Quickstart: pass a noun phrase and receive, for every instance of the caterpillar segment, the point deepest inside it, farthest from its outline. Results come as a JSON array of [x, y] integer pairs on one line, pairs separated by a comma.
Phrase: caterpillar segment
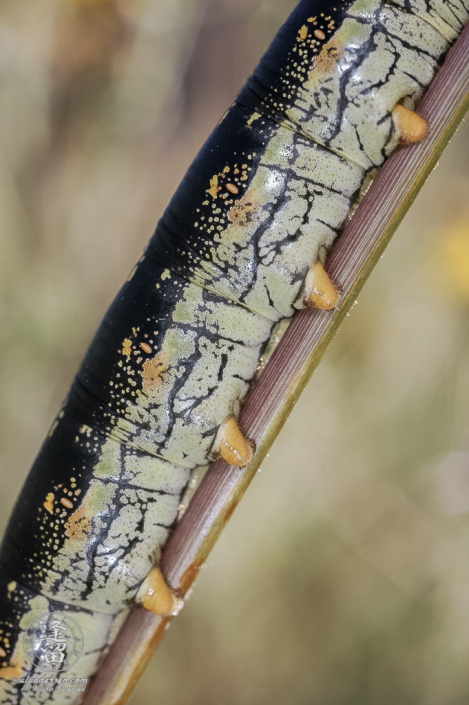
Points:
[[242, 245]]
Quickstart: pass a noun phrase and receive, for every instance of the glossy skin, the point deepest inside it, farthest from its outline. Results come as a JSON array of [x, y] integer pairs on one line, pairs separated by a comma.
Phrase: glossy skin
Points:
[[175, 355]]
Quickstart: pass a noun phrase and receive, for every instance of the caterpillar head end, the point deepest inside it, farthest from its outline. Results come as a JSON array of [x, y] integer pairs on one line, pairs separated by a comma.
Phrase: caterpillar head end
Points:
[[320, 292]]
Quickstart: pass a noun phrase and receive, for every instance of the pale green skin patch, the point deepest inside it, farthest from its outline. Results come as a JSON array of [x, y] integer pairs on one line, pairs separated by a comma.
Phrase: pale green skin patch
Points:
[[401, 57], [289, 164], [448, 18], [147, 491], [98, 629]]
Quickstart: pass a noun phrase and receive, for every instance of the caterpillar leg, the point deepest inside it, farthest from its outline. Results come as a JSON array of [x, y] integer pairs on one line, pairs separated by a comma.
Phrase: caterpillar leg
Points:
[[232, 445], [320, 292], [410, 126], [156, 596]]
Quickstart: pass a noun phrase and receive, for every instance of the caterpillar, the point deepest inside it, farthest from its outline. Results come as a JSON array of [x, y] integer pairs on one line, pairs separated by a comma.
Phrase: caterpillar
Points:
[[241, 246]]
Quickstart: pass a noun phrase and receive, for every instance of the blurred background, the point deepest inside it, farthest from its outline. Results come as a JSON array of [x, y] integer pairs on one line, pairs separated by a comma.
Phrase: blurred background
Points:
[[343, 577]]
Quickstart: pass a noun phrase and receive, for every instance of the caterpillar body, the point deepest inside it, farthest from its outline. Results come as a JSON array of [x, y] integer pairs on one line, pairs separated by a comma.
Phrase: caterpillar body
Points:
[[240, 247]]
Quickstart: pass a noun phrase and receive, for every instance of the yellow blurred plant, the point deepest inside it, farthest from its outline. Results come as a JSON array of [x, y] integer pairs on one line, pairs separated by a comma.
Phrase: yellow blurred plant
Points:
[[450, 261]]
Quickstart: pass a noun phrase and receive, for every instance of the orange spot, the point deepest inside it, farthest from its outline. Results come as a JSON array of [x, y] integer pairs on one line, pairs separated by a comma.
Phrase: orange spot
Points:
[[49, 503], [79, 524], [127, 347], [318, 34], [241, 212], [214, 187], [10, 672], [329, 56], [145, 347], [232, 188], [304, 32], [66, 502], [153, 372], [3, 653]]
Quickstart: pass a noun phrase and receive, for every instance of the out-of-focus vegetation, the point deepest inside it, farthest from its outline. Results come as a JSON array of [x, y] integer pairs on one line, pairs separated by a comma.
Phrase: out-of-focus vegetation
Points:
[[343, 577]]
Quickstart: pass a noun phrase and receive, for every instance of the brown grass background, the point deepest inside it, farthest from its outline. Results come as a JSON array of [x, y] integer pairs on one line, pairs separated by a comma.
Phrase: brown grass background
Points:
[[343, 577]]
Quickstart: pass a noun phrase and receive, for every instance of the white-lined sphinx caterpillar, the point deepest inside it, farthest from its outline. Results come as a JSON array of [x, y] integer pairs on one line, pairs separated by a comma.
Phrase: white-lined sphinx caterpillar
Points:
[[240, 246]]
